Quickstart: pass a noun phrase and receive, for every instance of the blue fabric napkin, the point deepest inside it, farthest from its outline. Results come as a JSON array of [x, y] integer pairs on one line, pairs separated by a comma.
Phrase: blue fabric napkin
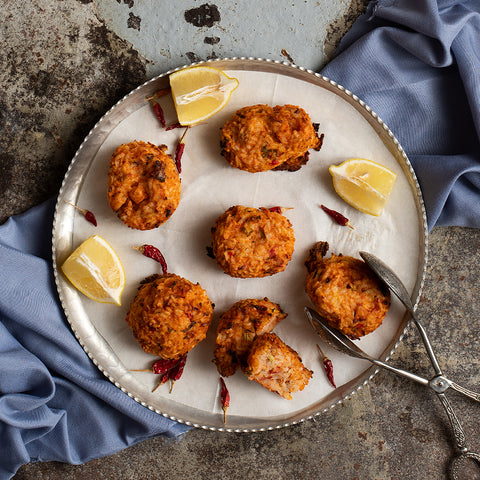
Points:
[[416, 63], [54, 402]]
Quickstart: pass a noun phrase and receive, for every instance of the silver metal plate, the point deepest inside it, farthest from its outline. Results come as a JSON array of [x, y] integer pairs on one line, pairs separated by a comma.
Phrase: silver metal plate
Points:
[[105, 352]]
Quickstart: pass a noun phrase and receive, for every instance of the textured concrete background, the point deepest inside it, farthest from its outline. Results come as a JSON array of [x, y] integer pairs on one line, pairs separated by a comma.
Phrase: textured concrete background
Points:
[[64, 63]]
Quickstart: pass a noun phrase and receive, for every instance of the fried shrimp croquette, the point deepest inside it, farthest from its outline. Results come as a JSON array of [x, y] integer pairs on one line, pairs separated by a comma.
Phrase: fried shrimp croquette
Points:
[[143, 185], [259, 138], [238, 328], [169, 315], [249, 242], [276, 366], [346, 292]]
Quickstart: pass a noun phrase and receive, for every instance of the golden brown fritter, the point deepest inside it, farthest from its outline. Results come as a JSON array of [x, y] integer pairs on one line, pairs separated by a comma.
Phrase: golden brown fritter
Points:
[[259, 138], [276, 366], [294, 164], [249, 242], [169, 315], [238, 328], [346, 292], [143, 185]]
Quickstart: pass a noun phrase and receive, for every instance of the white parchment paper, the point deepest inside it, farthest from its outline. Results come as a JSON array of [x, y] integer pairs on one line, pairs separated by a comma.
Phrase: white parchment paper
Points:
[[209, 187]]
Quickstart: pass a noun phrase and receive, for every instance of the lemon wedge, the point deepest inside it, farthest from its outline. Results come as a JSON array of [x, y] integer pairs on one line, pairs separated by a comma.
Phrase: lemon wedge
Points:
[[95, 269], [364, 184], [200, 92]]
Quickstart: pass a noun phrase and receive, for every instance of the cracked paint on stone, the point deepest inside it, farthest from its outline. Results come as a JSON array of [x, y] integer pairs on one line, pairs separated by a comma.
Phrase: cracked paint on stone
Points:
[[60, 78], [205, 15], [340, 25], [177, 33]]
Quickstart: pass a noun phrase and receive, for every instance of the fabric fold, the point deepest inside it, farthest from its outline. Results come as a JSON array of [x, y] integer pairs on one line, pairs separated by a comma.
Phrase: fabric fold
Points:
[[55, 405], [416, 64]]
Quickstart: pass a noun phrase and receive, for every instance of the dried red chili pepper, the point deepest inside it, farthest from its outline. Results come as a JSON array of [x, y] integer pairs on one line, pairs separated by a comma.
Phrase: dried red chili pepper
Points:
[[178, 156], [338, 217], [173, 126], [328, 366], [179, 151], [157, 109], [163, 365], [160, 366], [89, 216], [275, 209], [279, 209], [168, 369], [177, 371], [155, 254], [225, 398]]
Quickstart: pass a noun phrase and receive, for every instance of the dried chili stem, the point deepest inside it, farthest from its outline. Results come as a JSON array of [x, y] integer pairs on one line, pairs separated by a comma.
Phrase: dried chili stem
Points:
[[89, 216], [225, 398], [163, 379], [159, 93], [183, 135], [328, 366]]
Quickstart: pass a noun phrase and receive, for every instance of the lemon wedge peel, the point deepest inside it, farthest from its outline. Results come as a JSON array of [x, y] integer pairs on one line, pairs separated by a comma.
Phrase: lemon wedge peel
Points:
[[364, 184], [200, 92], [95, 269]]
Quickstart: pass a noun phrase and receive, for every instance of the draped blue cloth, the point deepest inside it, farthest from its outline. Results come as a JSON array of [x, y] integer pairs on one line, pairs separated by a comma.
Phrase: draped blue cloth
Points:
[[54, 402], [415, 62]]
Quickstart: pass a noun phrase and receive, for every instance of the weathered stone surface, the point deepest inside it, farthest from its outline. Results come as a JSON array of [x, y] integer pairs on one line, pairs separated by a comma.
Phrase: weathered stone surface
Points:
[[62, 69]]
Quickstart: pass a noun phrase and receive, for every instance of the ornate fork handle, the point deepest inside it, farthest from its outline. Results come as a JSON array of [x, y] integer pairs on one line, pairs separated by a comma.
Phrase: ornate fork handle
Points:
[[465, 391], [464, 453], [441, 384], [455, 423]]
